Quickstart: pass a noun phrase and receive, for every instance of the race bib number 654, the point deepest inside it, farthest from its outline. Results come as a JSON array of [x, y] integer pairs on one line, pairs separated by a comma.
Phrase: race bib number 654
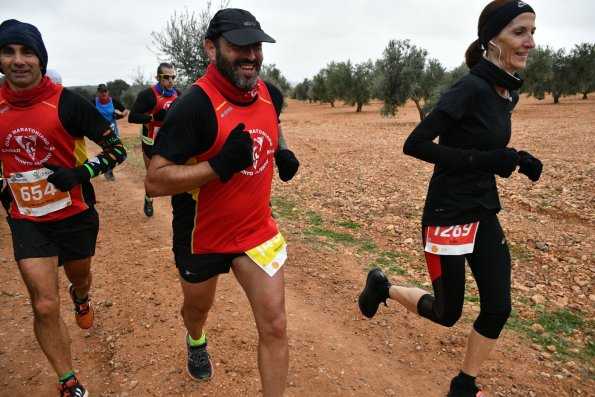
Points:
[[34, 195]]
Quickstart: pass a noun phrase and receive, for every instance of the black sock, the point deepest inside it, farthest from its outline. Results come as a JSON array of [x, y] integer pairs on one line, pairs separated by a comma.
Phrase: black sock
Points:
[[464, 381]]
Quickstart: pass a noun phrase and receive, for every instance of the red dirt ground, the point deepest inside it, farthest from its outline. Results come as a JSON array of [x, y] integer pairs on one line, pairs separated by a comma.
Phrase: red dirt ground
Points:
[[356, 183]]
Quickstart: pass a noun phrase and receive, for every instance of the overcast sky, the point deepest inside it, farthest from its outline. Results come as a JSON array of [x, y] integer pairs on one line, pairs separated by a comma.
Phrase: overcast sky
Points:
[[92, 42]]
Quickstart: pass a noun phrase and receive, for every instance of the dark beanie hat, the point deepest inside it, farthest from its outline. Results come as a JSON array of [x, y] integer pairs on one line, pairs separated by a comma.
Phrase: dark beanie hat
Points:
[[16, 32]]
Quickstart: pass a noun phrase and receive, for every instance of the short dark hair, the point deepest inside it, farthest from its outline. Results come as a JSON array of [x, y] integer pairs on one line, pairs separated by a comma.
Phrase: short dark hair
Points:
[[164, 65]]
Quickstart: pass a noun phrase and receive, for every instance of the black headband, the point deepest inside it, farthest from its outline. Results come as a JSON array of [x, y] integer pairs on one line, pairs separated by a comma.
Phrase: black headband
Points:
[[500, 18]]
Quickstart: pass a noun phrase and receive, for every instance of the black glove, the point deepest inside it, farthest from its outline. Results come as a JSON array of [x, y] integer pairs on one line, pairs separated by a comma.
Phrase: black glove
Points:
[[235, 155], [287, 164], [159, 115], [66, 178], [501, 162], [530, 166]]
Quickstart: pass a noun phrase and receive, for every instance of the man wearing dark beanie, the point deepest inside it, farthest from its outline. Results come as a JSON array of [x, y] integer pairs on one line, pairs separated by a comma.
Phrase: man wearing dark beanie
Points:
[[50, 198], [13, 31]]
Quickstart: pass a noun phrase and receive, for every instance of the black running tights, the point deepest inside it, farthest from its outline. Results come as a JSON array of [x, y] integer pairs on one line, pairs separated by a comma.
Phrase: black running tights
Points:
[[490, 265]]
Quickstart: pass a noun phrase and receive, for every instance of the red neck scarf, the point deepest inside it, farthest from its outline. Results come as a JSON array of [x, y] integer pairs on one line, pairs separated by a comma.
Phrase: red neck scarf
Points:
[[104, 101], [227, 89], [40, 92]]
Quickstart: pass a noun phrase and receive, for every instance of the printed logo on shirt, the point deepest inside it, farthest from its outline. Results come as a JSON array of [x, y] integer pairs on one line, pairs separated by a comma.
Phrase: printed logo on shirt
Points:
[[30, 147], [262, 149]]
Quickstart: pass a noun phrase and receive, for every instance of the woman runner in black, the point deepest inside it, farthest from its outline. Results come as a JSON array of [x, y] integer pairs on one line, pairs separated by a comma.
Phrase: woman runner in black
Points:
[[473, 123]]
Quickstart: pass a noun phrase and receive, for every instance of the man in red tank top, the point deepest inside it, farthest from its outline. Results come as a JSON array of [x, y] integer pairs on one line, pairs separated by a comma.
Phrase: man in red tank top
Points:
[[215, 154], [149, 109], [49, 197]]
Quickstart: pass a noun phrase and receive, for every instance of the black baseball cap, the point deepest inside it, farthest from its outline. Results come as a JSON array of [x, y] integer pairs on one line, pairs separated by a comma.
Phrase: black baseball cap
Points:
[[101, 87], [238, 26]]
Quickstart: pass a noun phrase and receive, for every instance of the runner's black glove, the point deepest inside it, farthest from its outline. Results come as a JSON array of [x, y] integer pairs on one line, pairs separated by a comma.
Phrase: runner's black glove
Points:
[[501, 162], [235, 155], [66, 178], [159, 115], [287, 164], [530, 166]]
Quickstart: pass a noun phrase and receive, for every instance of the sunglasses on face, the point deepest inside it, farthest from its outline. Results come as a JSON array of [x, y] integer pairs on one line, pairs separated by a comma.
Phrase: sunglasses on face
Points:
[[168, 76]]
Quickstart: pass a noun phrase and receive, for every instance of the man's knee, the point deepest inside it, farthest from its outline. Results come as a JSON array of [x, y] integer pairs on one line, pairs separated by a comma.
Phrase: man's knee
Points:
[[274, 327], [45, 308]]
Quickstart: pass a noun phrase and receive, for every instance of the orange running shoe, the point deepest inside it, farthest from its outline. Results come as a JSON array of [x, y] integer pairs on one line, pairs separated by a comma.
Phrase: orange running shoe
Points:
[[83, 312], [72, 388]]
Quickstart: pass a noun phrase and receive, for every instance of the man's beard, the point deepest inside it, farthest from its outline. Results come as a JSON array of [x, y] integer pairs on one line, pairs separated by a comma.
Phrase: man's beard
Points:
[[228, 70]]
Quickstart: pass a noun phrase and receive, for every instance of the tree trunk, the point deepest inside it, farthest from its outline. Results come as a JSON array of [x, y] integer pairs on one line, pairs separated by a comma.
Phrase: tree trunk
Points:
[[556, 98], [584, 95], [332, 102], [418, 106], [359, 107]]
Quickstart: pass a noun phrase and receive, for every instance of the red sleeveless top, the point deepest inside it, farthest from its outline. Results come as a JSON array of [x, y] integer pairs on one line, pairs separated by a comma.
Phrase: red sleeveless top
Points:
[[30, 136], [163, 102], [236, 216]]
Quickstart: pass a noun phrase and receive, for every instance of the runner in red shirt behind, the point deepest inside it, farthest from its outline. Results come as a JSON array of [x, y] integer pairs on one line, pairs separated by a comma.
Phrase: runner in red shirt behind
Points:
[[49, 197]]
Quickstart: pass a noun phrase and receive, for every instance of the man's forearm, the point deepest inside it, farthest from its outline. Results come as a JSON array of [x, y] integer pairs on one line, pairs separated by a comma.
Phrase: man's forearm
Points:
[[165, 178]]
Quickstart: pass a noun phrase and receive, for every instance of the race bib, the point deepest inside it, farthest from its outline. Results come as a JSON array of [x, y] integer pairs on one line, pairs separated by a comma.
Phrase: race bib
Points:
[[451, 240], [34, 195], [270, 255]]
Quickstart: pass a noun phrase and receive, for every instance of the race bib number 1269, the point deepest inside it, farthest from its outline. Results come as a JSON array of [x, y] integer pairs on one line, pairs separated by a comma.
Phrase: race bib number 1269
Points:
[[451, 240]]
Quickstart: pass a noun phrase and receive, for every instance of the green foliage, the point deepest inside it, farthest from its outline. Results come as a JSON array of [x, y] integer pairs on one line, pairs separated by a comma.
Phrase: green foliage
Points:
[[397, 71], [559, 330], [116, 88], [129, 96], [447, 80], [422, 89], [582, 68], [302, 91], [359, 92], [273, 75], [547, 72], [338, 79], [181, 41], [85, 93], [139, 83], [319, 90]]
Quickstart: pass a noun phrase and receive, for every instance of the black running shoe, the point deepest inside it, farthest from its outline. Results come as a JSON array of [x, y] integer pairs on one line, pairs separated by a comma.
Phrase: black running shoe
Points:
[[72, 388], [148, 207], [199, 366], [369, 299], [467, 392]]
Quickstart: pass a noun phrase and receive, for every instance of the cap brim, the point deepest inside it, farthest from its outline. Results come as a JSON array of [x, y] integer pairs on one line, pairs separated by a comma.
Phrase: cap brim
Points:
[[247, 36]]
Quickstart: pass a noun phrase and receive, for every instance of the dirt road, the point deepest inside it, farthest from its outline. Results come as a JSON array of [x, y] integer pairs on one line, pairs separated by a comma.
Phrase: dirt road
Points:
[[355, 203]]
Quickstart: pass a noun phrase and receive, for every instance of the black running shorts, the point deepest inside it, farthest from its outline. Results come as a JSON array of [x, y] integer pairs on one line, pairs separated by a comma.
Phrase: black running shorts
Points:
[[69, 239], [195, 268]]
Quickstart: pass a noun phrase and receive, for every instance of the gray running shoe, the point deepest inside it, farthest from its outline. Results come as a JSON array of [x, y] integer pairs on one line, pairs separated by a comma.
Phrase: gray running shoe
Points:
[[199, 366]]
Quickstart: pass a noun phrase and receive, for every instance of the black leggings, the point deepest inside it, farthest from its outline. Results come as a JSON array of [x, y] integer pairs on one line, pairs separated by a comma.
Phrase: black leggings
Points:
[[490, 265]]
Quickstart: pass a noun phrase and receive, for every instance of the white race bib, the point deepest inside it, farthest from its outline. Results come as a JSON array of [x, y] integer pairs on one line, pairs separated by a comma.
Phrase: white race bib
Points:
[[34, 195], [451, 240]]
